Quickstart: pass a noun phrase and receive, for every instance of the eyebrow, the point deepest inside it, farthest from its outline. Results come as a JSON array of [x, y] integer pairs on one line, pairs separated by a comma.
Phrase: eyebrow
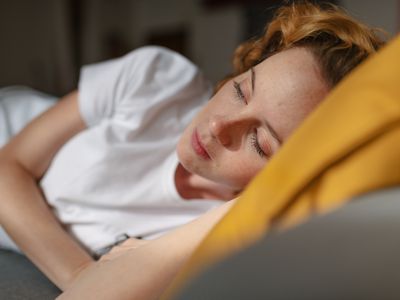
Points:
[[270, 128]]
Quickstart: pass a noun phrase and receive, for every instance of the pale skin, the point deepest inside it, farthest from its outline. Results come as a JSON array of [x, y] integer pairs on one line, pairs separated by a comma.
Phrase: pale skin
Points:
[[237, 117], [262, 106]]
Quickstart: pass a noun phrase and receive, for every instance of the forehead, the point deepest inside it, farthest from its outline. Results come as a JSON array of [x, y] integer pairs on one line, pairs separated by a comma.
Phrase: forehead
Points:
[[288, 85]]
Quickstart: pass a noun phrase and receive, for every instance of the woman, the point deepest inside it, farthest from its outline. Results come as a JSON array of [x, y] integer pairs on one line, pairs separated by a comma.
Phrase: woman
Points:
[[279, 79]]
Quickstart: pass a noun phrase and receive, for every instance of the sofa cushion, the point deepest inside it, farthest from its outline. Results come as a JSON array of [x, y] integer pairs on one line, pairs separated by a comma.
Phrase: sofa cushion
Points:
[[21, 280]]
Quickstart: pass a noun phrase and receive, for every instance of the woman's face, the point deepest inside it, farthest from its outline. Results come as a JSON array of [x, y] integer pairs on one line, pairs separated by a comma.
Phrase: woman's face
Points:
[[248, 119]]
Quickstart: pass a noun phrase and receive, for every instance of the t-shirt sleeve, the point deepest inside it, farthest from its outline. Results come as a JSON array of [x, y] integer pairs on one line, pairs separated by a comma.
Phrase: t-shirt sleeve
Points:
[[99, 89], [132, 82]]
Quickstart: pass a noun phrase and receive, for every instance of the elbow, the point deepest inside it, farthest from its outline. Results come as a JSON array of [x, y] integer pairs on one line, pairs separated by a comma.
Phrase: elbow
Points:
[[13, 178], [12, 167]]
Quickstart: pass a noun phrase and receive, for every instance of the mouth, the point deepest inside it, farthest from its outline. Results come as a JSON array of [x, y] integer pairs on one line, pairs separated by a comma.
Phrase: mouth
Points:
[[198, 146]]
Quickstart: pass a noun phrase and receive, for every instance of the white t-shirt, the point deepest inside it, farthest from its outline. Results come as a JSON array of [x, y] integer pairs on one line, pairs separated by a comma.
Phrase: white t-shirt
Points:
[[117, 176], [18, 106]]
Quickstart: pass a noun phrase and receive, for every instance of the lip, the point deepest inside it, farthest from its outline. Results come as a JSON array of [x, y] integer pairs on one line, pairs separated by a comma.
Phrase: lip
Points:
[[198, 146]]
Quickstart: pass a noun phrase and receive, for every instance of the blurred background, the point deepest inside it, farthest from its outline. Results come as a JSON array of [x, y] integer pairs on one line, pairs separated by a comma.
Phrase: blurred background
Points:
[[45, 42]]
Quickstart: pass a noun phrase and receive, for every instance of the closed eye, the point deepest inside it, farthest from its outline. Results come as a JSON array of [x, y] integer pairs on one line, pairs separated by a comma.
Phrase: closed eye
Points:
[[239, 95], [256, 145]]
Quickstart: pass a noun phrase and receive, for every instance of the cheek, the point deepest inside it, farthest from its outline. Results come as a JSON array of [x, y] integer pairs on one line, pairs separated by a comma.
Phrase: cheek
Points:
[[243, 171]]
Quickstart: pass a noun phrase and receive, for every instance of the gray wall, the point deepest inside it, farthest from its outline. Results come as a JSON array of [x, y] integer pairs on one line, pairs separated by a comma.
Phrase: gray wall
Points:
[[383, 14], [213, 34], [35, 45], [40, 48]]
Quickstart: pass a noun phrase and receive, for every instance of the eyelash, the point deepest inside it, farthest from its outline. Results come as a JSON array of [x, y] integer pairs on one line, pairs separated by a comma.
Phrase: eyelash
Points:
[[239, 93], [256, 145], [254, 142]]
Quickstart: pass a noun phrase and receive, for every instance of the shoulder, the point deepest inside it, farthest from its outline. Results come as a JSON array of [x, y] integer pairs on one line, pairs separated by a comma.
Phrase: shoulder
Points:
[[157, 52], [155, 58]]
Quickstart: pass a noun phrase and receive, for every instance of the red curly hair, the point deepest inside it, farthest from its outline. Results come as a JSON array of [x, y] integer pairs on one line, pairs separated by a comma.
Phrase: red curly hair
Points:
[[338, 42]]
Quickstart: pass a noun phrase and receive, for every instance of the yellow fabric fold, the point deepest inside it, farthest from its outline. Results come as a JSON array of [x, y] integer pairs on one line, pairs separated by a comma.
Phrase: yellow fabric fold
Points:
[[349, 146]]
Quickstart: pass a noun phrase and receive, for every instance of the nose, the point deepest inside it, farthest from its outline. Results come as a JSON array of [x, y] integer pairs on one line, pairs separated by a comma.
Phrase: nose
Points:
[[229, 130]]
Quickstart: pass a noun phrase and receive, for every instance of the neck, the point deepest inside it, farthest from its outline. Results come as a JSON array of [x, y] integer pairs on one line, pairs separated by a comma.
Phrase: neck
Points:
[[192, 186]]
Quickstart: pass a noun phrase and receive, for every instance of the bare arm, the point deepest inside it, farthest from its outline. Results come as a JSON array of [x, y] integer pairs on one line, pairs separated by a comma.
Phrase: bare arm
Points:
[[146, 271], [23, 211]]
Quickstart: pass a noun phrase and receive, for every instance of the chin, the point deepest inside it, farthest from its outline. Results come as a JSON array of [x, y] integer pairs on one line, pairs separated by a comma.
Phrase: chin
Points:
[[189, 161], [181, 153], [186, 161]]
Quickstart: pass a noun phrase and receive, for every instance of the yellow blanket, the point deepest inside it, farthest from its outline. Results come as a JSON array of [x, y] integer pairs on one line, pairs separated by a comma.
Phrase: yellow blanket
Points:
[[349, 146]]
